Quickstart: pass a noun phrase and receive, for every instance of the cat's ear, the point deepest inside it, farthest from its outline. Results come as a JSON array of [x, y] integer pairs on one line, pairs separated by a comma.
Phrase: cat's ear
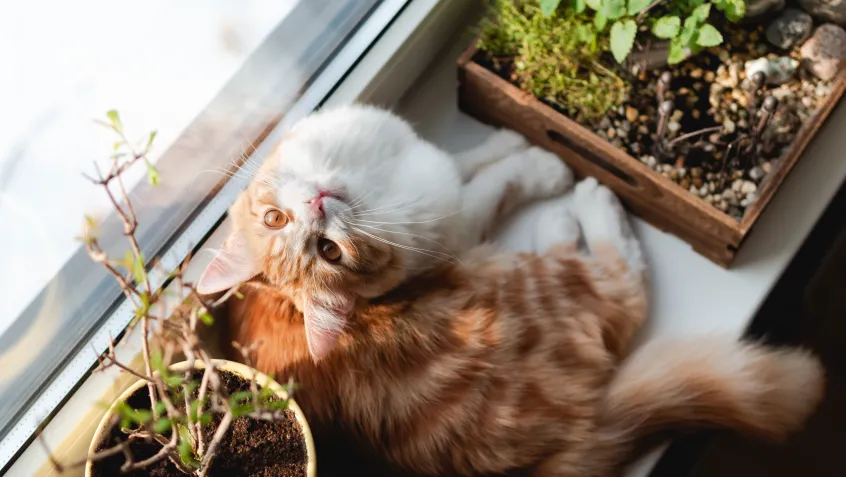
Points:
[[325, 319], [232, 265]]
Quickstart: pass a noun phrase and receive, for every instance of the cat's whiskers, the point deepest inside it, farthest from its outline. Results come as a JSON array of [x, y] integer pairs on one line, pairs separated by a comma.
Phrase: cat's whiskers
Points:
[[428, 253], [413, 222], [358, 201], [448, 251], [378, 211]]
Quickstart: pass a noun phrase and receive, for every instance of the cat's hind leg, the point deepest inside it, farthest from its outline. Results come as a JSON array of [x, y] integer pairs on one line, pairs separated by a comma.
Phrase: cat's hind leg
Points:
[[500, 144], [616, 265]]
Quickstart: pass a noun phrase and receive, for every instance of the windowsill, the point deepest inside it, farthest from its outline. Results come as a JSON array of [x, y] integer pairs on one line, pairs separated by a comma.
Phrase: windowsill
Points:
[[690, 295]]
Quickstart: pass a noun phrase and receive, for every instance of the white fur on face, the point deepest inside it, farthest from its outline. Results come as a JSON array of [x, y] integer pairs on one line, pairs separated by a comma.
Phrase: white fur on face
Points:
[[391, 186]]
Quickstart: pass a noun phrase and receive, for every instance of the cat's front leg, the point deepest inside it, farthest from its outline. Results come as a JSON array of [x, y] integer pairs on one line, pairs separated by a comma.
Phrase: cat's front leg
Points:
[[502, 143], [499, 188]]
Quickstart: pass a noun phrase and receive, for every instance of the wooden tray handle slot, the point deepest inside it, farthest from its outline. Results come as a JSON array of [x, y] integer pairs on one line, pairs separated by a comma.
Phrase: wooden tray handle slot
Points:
[[593, 158]]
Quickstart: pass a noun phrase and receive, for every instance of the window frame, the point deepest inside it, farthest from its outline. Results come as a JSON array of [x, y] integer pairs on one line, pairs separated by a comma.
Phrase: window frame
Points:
[[200, 222]]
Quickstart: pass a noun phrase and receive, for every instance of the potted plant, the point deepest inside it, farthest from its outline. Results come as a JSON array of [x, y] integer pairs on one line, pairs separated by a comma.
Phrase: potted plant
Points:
[[693, 111], [199, 416]]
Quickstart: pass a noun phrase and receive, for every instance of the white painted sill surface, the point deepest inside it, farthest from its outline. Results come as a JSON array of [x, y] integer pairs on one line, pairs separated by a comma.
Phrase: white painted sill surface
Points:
[[690, 295]]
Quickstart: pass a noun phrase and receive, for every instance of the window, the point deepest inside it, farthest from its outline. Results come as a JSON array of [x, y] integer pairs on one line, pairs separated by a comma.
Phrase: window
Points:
[[213, 77]]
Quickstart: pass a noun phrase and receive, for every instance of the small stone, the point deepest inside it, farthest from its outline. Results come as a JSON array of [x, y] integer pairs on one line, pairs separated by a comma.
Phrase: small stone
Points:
[[712, 187], [649, 161], [756, 8], [643, 130], [736, 185], [666, 167], [621, 132], [696, 172], [673, 126], [703, 191], [823, 55], [767, 167], [684, 183], [756, 173], [631, 114], [825, 10], [745, 202], [697, 182], [748, 187], [730, 196], [723, 55], [696, 73], [677, 115], [776, 71], [696, 114], [790, 29], [611, 133], [729, 126], [722, 205], [807, 102], [709, 76]]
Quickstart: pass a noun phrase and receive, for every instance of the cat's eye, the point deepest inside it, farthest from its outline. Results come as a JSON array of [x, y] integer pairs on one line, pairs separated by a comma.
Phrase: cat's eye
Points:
[[329, 250], [275, 219]]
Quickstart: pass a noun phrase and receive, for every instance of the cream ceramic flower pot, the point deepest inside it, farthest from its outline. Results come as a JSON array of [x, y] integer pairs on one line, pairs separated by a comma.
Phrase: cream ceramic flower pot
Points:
[[238, 369]]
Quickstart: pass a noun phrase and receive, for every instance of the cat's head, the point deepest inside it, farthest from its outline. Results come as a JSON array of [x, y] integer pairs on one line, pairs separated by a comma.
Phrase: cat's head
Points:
[[333, 215]]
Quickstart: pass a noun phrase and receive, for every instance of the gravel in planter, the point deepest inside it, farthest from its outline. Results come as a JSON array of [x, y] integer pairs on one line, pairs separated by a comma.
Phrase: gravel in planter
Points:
[[251, 447], [714, 110]]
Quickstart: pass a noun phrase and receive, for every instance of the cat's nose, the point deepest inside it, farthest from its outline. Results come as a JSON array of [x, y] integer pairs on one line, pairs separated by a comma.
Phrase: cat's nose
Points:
[[316, 205]]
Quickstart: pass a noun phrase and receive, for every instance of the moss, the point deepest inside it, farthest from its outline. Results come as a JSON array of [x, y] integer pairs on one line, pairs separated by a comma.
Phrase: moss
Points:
[[557, 58]]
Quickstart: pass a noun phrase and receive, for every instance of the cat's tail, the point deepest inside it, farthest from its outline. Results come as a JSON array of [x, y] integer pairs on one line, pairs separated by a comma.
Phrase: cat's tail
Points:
[[758, 390]]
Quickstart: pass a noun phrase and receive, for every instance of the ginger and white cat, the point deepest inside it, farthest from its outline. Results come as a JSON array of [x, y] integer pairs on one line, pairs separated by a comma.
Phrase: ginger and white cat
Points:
[[368, 287]]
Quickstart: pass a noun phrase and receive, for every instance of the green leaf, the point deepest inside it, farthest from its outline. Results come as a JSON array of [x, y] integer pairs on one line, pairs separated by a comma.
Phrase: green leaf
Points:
[[207, 318], [151, 139], [614, 9], [678, 51], [709, 36], [114, 119], [599, 21], [139, 273], [636, 6], [548, 7], [734, 10], [689, 30], [152, 173], [595, 5], [579, 6], [622, 39], [277, 405], [667, 27], [701, 13], [186, 448], [162, 425]]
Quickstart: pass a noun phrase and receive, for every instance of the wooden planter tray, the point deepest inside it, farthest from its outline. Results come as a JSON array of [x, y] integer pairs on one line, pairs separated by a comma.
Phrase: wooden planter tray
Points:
[[656, 199]]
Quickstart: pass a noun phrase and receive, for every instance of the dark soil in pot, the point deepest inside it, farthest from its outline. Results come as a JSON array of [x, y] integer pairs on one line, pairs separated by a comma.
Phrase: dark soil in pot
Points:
[[711, 94], [251, 447]]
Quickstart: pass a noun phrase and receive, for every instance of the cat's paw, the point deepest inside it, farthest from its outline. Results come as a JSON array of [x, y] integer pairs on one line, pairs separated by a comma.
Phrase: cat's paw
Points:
[[500, 144], [508, 140], [542, 174], [556, 225], [603, 220]]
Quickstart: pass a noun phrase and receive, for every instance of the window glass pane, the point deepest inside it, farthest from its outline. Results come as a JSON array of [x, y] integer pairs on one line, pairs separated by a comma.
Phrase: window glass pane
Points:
[[211, 76]]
